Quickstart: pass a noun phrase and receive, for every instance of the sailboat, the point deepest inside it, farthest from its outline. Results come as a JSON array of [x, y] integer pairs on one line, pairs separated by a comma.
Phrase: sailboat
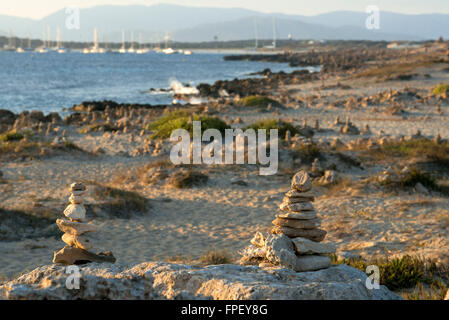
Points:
[[123, 48], [10, 46], [273, 46], [43, 48], [95, 48], [131, 48], [141, 50], [58, 47], [168, 50]]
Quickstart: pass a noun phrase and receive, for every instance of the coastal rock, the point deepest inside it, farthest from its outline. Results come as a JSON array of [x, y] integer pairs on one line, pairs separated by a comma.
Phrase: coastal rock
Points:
[[295, 223], [297, 207], [305, 246], [301, 182], [311, 234], [160, 280], [75, 228]]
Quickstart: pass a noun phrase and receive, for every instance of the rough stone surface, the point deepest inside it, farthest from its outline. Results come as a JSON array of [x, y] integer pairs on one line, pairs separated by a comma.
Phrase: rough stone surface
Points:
[[158, 280], [308, 215], [81, 242], [297, 207], [307, 196], [312, 234], [73, 255], [301, 181], [305, 246], [76, 228], [295, 223], [75, 212]]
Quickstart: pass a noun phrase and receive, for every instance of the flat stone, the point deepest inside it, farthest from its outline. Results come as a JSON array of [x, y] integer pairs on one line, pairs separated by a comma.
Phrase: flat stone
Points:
[[72, 255], [81, 242], [292, 193], [77, 186], [76, 199], [306, 246], [298, 224], [297, 207], [301, 181], [306, 215], [289, 200], [75, 212], [75, 228], [311, 263], [317, 235]]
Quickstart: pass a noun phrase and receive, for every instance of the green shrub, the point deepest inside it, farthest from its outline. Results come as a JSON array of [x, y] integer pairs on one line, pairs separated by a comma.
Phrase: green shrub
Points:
[[281, 126], [398, 273], [258, 101], [307, 153], [11, 136], [440, 89], [165, 125], [416, 176]]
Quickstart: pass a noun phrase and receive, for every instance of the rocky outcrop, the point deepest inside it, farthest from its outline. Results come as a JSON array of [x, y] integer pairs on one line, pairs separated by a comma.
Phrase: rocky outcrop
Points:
[[158, 280]]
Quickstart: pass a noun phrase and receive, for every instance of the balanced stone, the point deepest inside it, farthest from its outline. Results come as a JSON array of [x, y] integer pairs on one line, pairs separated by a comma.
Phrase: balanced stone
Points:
[[75, 228], [298, 224], [305, 215], [317, 235], [301, 182], [77, 187], [289, 200], [82, 242], [305, 246], [75, 212], [76, 199], [297, 207], [295, 194]]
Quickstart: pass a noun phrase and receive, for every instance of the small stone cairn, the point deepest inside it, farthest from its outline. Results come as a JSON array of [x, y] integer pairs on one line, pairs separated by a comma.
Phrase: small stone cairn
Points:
[[77, 233], [295, 239]]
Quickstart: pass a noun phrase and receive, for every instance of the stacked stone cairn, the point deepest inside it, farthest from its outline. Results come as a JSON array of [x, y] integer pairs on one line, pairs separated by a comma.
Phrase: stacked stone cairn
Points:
[[77, 233], [295, 239]]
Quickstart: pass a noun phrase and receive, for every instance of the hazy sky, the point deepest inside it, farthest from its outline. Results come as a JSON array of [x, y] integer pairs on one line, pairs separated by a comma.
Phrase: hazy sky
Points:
[[38, 9]]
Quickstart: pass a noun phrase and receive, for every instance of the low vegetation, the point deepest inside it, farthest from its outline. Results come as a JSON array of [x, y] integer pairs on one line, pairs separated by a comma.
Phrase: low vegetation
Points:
[[269, 124], [307, 153], [164, 126], [11, 136], [187, 178], [117, 203], [259, 101], [214, 257], [441, 89], [436, 153], [429, 280]]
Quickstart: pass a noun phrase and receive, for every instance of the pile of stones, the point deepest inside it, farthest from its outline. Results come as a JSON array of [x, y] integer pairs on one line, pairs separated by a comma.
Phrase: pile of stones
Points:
[[77, 233], [295, 239]]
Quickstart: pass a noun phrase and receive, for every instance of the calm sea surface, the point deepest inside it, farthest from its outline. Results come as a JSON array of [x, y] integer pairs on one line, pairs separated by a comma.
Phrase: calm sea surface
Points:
[[51, 81]]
